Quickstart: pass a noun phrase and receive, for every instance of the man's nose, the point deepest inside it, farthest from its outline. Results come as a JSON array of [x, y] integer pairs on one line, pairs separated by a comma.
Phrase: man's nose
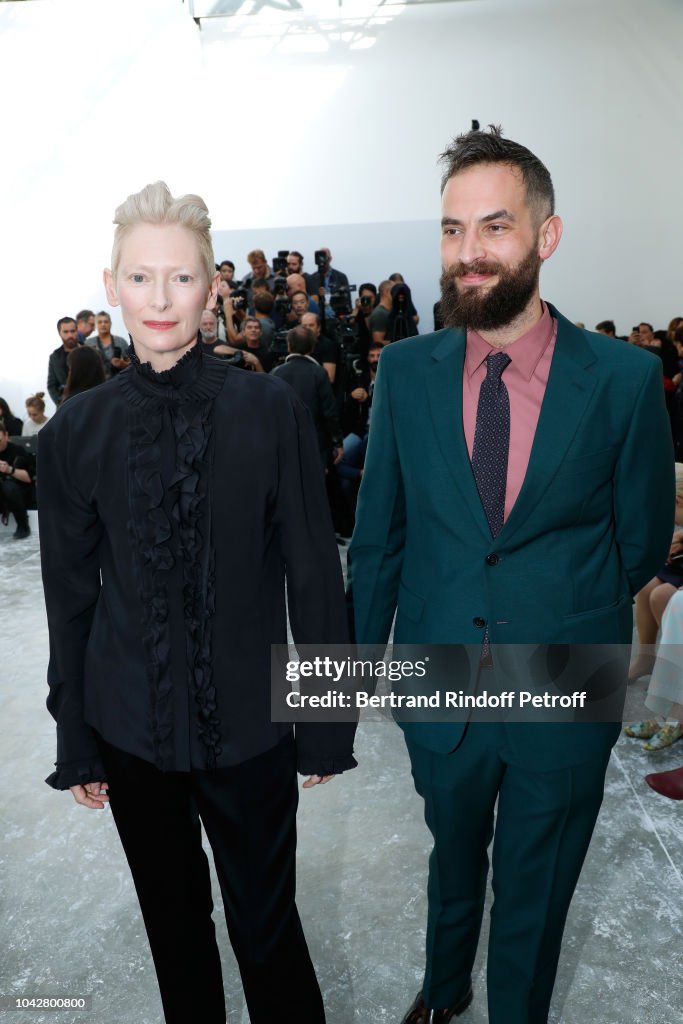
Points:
[[472, 247]]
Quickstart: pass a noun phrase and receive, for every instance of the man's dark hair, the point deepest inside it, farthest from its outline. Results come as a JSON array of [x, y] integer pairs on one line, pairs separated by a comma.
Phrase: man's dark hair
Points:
[[84, 314], [299, 292], [260, 282], [226, 263], [293, 252], [263, 303], [64, 320], [368, 287], [103, 312], [608, 326], [481, 147], [644, 323], [301, 340]]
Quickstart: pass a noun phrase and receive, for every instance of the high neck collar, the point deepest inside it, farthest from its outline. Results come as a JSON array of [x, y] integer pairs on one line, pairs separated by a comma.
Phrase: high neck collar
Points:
[[178, 377], [195, 377]]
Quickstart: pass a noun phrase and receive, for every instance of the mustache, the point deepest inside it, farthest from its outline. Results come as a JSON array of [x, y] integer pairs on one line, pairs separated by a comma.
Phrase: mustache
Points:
[[459, 269]]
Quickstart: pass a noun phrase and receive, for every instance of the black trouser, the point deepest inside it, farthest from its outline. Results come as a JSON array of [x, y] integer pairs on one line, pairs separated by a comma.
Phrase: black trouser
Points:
[[13, 499], [249, 814]]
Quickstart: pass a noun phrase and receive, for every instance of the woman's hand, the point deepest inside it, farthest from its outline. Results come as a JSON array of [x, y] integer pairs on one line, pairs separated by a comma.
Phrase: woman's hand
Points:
[[92, 794]]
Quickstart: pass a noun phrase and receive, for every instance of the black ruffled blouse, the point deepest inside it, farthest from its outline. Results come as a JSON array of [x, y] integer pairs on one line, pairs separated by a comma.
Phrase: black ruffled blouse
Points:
[[172, 506]]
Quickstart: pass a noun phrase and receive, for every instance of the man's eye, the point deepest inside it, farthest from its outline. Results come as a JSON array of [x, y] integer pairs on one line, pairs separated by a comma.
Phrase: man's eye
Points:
[[137, 278], [184, 278], [496, 229]]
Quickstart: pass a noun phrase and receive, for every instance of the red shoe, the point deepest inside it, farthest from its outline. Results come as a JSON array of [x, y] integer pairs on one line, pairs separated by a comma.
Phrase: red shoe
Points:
[[667, 783]]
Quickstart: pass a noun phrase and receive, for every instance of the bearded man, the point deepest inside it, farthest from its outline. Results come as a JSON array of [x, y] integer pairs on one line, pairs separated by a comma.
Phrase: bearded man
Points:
[[518, 490]]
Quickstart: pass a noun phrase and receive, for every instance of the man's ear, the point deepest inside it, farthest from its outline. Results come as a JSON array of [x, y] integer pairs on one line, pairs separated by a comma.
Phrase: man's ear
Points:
[[213, 292], [549, 236], [110, 288]]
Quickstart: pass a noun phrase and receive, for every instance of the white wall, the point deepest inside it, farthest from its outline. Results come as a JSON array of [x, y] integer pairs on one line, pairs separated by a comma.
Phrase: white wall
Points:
[[306, 132]]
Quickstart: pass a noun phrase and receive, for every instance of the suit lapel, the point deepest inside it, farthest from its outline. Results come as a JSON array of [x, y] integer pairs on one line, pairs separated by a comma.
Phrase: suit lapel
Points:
[[568, 393], [444, 390]]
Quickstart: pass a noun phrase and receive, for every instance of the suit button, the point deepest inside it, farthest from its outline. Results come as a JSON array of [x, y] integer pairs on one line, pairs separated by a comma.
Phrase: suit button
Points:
[[492, 559], [479, 622]]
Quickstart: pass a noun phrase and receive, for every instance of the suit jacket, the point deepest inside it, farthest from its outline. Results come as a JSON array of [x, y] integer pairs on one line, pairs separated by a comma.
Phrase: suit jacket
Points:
[[338, 279], [590, 527], [313, 387]]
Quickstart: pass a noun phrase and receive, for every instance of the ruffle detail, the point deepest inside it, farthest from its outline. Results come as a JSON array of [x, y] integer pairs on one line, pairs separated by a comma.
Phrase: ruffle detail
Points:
[[180, 375], [150, 532], [77, 773], [192, 506], [195, 378]]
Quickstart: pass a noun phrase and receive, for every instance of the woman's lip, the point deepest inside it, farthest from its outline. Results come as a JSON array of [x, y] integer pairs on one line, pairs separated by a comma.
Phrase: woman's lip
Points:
[[160, 325]]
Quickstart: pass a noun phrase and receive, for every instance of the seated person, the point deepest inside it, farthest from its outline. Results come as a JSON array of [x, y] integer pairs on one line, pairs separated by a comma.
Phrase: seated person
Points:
[[17, 483]]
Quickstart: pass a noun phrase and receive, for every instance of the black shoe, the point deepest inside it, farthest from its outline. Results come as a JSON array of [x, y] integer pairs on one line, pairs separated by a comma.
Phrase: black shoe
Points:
[[421, 1014], [22, 532]]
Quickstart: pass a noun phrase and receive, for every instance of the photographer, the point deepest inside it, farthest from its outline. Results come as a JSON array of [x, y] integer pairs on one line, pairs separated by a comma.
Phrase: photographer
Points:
[[111, 347], [295, 265], [17, 483], [326, 276], [235, 311], [251, 345], [356, 422], [259, 268], [360, 319], [310, 382], [264, 303], [380, 314], [326, 349]]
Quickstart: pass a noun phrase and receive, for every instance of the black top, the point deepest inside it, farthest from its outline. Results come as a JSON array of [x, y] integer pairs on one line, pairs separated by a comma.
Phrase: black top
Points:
[[313, 387], [161, 617]]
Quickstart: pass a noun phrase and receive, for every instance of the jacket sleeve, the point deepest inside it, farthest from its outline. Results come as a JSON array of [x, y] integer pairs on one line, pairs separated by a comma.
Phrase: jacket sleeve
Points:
[[644, 490], [70, 533], [376, 551], [315, 587], [53, 389]]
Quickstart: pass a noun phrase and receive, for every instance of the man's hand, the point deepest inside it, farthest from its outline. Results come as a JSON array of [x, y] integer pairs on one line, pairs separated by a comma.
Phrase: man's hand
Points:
[[338, 454], [316, 780], [119, 362], [93, 794], [252, 362], [4, 467], [359, 394]]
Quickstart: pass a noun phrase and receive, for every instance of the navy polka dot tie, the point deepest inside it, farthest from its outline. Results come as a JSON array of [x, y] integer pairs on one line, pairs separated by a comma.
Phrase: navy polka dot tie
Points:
[[490, 453], [492, 441]]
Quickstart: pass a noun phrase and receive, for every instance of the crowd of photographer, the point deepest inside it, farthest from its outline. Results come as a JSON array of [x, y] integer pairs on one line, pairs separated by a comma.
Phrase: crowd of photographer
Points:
[[281, 319]]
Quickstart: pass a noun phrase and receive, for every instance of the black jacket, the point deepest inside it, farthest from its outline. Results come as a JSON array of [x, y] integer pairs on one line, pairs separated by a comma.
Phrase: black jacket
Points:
[[57, 372], [313, 387], [161, 615]]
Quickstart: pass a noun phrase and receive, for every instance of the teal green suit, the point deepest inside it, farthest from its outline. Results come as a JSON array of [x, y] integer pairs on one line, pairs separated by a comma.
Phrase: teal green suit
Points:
[[591, 525]]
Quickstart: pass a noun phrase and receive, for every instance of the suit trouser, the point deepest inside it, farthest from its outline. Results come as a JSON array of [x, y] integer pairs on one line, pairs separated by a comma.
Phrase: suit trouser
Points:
[[544, 824], [249, 814]]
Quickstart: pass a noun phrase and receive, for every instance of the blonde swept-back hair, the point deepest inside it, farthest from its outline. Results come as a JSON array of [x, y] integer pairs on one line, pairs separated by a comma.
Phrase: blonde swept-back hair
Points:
[[154, 204]]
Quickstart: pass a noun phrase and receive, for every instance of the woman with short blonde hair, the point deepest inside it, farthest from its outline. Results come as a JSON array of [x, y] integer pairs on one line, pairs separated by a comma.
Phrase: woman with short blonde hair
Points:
[[161, 621]]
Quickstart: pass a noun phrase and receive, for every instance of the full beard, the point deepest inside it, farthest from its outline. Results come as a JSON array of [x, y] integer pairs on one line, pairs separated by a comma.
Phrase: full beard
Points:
[[488, 310]]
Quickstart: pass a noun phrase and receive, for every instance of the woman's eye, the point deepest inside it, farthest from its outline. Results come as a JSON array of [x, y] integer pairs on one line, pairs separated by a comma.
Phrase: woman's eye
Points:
[[137, 278]]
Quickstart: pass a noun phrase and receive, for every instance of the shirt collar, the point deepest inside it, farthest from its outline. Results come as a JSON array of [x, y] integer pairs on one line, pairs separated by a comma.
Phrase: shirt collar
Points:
[[525, 352]]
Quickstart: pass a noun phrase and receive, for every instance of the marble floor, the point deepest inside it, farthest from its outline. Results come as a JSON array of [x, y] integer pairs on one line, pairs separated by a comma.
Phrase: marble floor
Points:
[[69, 922]]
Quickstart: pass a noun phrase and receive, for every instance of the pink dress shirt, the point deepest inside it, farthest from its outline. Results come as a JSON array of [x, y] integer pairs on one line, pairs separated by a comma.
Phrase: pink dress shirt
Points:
[[525, 378]]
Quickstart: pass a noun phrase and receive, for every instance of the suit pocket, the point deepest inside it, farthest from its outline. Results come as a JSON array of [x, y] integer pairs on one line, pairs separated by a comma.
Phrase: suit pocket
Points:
[[603, 459], [410, 604]]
